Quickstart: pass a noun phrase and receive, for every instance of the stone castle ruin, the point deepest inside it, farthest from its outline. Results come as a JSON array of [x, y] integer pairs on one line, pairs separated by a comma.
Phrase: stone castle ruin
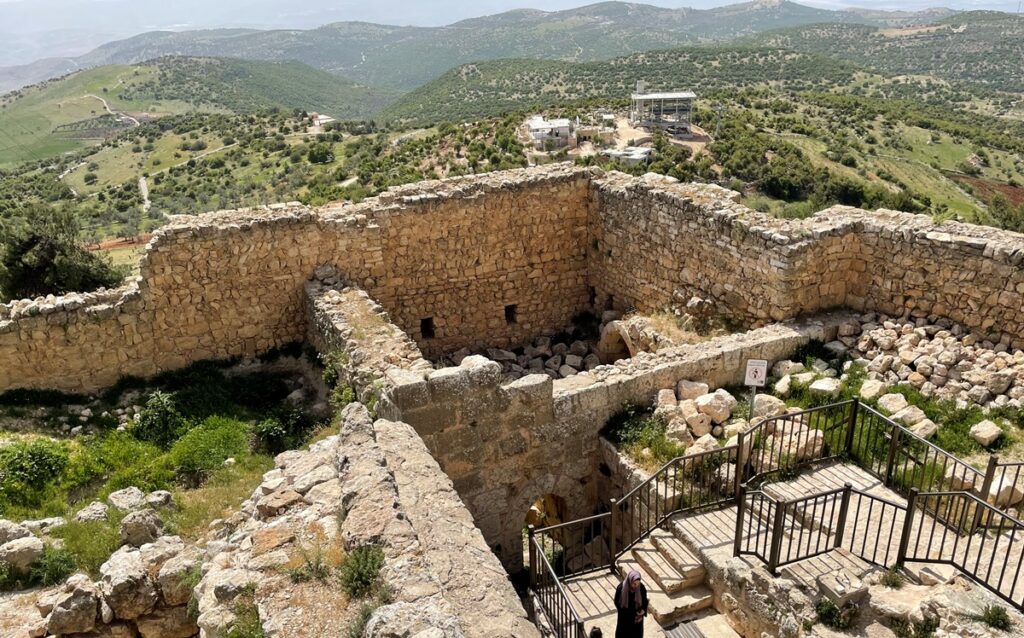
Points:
[[497, 260]]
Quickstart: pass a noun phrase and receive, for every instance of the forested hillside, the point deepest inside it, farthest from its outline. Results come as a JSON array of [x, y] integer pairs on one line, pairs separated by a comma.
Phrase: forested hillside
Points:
[[981, 48], [406, 57]]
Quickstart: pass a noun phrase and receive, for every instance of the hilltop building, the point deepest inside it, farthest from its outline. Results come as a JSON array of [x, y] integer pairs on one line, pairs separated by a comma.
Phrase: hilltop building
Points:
[[669, 111], [549, 134]]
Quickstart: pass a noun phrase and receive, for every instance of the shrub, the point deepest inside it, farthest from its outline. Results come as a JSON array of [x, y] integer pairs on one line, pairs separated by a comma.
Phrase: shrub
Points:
[[905, 629], [28, 469], [160, 421], [358, 626], [996, 617], [360, 570], [204, 448], [41, 253], [53, 567], [191, 581], [284, 430], [892, 578], [341, 396], [832, 616]]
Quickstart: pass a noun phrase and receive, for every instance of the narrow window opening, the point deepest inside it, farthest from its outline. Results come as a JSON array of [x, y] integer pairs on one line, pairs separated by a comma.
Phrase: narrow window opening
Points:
[[593, 297], [511, 314], [427, 328]]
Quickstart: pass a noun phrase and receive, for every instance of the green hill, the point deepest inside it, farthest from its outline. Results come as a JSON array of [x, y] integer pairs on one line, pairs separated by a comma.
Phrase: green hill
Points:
[[243, 85], [491, 88], [69, 113], [981, 48], [406, 57]]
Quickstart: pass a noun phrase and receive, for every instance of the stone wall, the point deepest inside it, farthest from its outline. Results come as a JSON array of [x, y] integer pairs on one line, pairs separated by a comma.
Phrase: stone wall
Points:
[[505, 445], [452, 255]]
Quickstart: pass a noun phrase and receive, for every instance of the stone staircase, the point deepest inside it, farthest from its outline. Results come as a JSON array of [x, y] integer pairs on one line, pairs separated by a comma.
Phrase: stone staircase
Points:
[[675, 579]]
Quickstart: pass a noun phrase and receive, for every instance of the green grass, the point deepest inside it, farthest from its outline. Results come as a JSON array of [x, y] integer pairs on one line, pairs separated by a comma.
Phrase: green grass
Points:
[[91, 543], [360, 571], [996, 617], [635, 429]]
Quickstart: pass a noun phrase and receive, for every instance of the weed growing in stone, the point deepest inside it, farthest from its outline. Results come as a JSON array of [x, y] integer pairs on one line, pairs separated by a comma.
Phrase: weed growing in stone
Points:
[[634, 430], [90, 542], [830, 615], [360, 570], [995, 616], [906, 629], [247, 616], [53, 567], [892, 578]]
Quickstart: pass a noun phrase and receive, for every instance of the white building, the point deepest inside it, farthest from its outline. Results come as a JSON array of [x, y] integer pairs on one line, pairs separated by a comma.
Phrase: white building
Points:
[[557, 133], [631, 155], [669, 111]]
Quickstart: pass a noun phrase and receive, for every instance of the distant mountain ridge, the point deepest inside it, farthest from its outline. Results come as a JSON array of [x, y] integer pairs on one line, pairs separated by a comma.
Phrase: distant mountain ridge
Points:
[[406, 57]]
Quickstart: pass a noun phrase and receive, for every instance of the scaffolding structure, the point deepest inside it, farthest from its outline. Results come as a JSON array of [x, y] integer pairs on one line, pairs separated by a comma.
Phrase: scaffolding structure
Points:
[[668, 111]]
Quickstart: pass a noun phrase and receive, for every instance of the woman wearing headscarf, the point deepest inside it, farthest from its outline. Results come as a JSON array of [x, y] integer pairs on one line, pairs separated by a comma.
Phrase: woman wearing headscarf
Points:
[[631, 605]]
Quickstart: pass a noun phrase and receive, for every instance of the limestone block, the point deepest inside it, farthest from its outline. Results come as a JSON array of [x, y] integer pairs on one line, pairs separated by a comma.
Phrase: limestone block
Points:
[[986, 433]]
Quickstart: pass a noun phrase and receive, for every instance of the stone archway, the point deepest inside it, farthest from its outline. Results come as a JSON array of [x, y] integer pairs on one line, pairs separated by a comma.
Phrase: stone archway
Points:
[[615, 343]]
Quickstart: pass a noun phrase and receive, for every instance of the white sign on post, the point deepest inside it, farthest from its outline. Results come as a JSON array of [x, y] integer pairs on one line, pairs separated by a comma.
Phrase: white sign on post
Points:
[[757, 373]]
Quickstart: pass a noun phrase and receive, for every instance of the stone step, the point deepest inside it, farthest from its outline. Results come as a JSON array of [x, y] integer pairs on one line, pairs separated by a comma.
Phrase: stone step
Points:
[[681, 557], [653, 563], [668, 608]]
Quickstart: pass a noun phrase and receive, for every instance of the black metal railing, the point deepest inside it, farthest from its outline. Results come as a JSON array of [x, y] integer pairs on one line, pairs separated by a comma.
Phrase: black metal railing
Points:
[[561, 615], [962, 499], [987, 545], [781, 445], [871, 524], [755, 518], [684, 484]]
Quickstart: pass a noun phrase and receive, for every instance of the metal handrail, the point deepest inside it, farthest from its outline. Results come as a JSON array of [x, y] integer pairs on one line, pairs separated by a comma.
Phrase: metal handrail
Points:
[[790, 415], [664, 468], [576, 521], [577, 620]]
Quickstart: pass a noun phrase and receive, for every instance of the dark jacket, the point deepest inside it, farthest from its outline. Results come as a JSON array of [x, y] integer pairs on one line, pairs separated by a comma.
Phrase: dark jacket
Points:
[[627, 626]]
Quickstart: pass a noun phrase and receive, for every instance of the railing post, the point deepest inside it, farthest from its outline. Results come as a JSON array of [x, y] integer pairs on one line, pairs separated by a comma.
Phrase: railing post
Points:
[[986, 488], [851, 426], [844, 507], [901, 553], [613, 541], [890, 461], [533, 557], [780, 518], [740, 465], [741, 497]]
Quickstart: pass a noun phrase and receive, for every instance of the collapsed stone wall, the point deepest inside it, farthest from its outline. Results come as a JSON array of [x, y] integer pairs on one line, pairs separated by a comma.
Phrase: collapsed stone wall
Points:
[[373, 483]]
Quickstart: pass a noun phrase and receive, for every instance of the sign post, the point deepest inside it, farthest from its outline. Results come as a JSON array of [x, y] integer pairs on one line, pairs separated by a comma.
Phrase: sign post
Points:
[[756, 377]]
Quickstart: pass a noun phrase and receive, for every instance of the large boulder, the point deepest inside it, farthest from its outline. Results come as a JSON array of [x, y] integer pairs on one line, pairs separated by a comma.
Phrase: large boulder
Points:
[[678, 431], [9, 531], [690, 389], [910, 415], [126, 585], [892, 403], [705, 443], [766, 405], [75, 610], [718, 405], [141, 527], [128, 499], [174, 577], [986, 433], [20, 553], [825, 387], [871, 389], [1006, 492], [95, 511], [786, 367]]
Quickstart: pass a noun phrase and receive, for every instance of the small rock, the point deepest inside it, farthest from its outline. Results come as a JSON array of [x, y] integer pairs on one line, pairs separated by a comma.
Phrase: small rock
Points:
[[160, 499], [871, 389], [20, 553]]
